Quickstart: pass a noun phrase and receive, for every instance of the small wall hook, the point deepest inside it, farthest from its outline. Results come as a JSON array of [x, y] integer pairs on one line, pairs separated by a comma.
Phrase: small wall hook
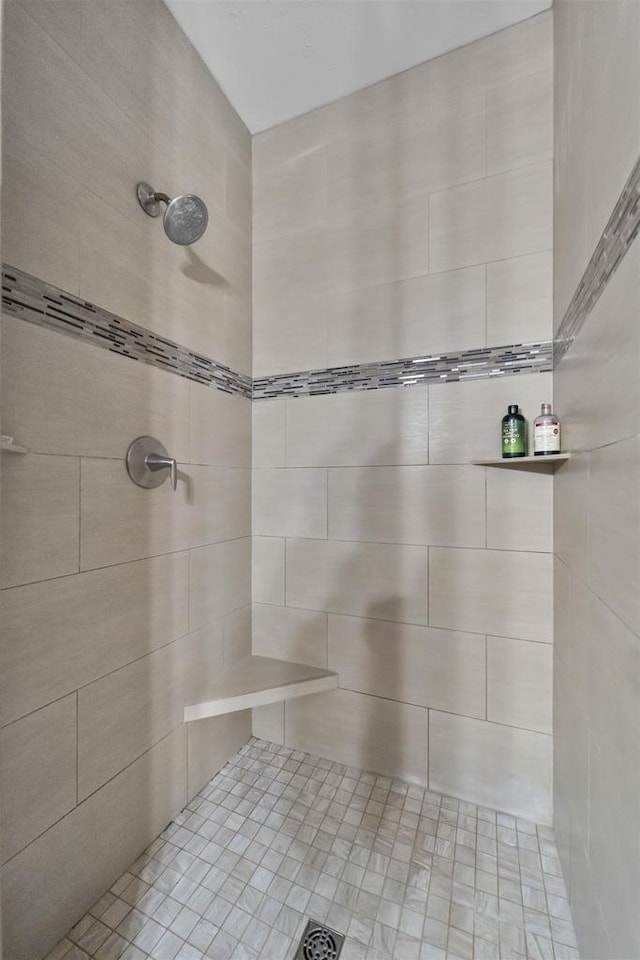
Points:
[[147, 460]]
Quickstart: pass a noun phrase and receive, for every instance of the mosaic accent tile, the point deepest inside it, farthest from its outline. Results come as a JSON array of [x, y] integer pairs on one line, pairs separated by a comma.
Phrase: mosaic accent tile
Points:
[[38, 302], [482, 363], [401, 871], [618, 235]]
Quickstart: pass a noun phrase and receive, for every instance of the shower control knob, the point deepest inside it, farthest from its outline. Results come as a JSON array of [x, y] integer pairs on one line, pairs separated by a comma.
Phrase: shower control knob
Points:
[[148, 462]]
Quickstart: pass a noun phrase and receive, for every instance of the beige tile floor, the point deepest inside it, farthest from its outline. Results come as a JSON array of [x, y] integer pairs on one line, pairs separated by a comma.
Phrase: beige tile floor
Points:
[[279, 836]]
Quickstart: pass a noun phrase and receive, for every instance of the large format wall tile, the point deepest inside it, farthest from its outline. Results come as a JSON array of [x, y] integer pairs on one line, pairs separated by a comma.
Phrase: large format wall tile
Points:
[[121, 521], [465, 418], [268, 433], [377, 580], [38, 773], [62, 396], [520, 299], [267, 569], [220, 580], [430, 668], [410, 504], [220, 427], [287, 633], [423, 315], [351, 429], [614, 528], [508, 215], [520, 122], [519, 509], [501, 592], [491, 764], [360, 731], [126, 712], [210, 743], [40, 518], [289, 503], [519, 683], [61, 634], [68, 868]]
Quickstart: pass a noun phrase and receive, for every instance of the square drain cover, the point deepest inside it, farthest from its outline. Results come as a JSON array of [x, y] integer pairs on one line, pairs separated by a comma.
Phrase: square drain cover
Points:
[[319, 943]]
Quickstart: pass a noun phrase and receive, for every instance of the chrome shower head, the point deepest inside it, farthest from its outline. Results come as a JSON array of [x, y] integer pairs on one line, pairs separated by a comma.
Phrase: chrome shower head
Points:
[[185, 218]]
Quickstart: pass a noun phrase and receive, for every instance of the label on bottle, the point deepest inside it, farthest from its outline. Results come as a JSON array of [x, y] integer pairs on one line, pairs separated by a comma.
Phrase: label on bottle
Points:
[[514, 438], [546, 438]]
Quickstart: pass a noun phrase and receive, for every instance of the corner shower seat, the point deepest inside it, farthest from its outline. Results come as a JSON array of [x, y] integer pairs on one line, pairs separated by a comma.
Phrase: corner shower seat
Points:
[[256, 681]]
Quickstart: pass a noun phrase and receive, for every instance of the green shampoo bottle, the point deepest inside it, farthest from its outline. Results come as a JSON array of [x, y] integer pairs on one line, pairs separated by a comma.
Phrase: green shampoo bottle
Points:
[[514, 433]]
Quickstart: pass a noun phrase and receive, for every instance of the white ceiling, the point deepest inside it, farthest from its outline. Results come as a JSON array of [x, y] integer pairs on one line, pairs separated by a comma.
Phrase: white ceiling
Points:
[[277, 59]]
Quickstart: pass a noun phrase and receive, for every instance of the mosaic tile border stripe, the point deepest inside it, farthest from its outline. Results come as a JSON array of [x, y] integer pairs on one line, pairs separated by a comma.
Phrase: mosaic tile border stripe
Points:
[[621, 230], [38, 302], [41, 303], [482, 363]]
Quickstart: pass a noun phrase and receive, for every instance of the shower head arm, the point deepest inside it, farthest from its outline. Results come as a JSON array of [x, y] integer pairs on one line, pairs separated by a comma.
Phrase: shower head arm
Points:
[[150, 201], [162, 197]]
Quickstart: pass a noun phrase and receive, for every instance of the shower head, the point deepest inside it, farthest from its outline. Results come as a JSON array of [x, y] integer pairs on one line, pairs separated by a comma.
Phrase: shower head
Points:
[[185, 218]]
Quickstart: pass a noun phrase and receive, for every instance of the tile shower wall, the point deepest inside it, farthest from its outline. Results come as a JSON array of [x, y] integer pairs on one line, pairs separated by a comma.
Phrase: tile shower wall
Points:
[[117, 602], [597, 514], [410, 219]]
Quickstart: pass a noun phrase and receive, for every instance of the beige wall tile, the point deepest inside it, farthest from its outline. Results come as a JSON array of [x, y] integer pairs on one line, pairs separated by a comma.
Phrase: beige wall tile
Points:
[[384, 157], [38, 773], [571, 514], [220, 428], [408, 504], [237, 503], [378, 580], [598, 392], [236, 629], [520, 299], [430, 668], [491, 764], [289, 503], [121, 521], [500, 592], [210, 743], [286, 633], [289, 196], [67, 869], [349, 429], [287, 335], [520, 122], [238, 334], [519, 683], [126, 712], [56, 390], [267, 570], [220, 580], [519, 509], [465, 418], [41, 214], [365, 732], [508, 215], [61, 634], [40, 518], [614, 528], [268, 722], [501, 58], [423, 315], [268, 433]]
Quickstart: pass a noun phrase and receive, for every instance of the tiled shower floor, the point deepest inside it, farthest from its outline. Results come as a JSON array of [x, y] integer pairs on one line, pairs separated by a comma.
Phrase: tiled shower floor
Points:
[[279, 836]]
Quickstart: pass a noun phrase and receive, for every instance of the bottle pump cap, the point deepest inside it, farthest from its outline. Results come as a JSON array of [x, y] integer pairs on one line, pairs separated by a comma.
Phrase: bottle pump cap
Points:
[[513, 408]]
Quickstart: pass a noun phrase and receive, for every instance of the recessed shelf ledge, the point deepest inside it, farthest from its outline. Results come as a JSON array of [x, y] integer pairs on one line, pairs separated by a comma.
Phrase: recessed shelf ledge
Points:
[[257, 681], [553, 460]]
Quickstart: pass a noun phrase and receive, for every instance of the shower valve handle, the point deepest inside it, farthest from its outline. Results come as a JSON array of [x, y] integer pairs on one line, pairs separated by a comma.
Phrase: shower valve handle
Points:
[[156, 461], [147, 462]]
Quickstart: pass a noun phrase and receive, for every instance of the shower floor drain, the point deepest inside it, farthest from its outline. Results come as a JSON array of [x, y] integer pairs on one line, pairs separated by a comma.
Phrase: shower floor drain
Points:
[[319, 943]]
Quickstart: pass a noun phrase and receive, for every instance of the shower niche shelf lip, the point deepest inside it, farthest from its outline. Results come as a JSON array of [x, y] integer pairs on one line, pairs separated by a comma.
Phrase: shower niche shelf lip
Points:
[[552, 460], [8, 446], [257, 681]]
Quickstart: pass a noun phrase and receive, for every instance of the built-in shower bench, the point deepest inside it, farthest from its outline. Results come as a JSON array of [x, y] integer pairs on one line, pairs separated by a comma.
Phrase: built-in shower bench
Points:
[[256, 681]]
